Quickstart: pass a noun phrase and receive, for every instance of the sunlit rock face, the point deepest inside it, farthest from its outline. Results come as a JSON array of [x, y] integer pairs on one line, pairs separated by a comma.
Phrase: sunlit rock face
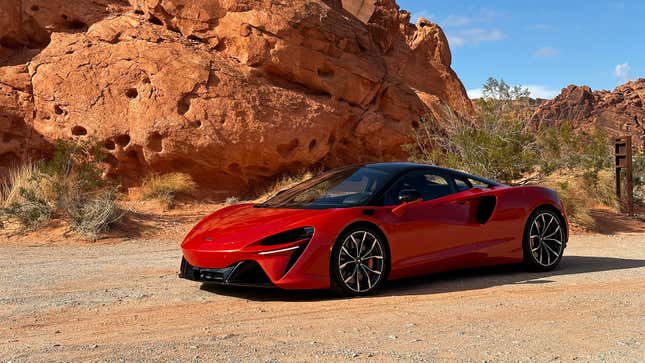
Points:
[[621, 112], [231, 92]]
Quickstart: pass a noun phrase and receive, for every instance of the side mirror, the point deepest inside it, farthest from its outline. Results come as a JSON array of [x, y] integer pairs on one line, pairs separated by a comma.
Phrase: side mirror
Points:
[[409, 195]]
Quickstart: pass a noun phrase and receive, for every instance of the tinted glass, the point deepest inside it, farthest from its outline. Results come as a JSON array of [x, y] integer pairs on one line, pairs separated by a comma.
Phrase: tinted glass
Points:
[[462, 184], [430, 185], [478, 184], [347, 187]]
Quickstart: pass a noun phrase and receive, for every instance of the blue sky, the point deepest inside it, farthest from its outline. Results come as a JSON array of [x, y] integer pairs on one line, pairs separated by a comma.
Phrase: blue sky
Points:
[[544, 45]]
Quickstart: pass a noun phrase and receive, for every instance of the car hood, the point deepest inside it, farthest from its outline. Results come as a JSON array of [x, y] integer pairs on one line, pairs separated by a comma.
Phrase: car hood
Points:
[[237, 226]]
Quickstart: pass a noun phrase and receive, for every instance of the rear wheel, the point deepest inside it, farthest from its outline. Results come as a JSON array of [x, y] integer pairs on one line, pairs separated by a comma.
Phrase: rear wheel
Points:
[[544, 240], [359, 262]]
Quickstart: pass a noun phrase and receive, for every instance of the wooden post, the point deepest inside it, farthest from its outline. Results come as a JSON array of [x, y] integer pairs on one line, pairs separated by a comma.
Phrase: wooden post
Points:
[[623, 154]]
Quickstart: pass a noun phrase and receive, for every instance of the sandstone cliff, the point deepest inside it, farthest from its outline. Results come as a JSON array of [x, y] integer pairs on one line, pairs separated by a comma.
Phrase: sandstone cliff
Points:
[[231, 92], [621, 112]]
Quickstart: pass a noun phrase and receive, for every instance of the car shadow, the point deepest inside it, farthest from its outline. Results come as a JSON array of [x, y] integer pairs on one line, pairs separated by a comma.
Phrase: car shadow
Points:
[[444, 282]]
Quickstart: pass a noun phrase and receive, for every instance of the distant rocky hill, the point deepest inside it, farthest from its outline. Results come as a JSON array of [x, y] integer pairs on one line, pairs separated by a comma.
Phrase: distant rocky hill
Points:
[[231, 92], [620, 112]]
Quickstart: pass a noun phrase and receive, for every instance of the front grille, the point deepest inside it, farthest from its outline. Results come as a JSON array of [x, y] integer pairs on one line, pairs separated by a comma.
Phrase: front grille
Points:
[[241, 273]]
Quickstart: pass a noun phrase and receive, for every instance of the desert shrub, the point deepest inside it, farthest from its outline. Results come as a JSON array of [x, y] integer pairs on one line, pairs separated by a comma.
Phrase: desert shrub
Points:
[[67, 186], [21, 197], [495, 148], [561, 147], [576, 203], [580, 193], [497, 144], [93, 215], [166, 187]]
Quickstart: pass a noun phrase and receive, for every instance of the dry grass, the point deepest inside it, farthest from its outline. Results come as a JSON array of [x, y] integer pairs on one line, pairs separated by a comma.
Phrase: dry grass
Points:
[[64, 188], [166, 187], [21, 196], [580, 194], [19, 178], [283, 183], [95, 215]]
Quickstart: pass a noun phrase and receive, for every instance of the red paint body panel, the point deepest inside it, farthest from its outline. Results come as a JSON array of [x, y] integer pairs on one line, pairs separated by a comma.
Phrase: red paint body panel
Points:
[[431, 236]]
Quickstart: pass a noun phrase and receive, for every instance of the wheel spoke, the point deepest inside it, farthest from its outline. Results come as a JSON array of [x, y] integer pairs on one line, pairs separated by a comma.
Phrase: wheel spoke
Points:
[[350, 277], [373, 257], [347, 253], [548, 224], [360, 249], [554, 240], [358, 252], [370, 270], [346, 264], [548, 256], [370, 250], [358, 280], [369, 281], [554, 232], [552, 251]]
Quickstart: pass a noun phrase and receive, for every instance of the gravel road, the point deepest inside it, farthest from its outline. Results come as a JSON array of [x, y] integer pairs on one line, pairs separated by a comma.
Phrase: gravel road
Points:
[[124, 302]]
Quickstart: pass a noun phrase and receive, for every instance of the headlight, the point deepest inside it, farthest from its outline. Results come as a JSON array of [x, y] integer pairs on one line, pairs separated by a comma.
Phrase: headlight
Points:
[[293, 235]]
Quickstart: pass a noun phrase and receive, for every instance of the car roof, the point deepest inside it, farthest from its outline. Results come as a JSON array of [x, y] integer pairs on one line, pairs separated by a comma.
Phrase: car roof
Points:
[[402, 167]]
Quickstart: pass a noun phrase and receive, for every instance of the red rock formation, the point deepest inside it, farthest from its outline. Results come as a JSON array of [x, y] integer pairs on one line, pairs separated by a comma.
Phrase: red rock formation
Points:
[[232, 91], [620, 112]]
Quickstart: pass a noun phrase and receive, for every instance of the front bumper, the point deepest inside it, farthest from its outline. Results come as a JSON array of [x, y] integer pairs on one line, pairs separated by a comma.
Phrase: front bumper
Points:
[[304, 268], [243, 273]]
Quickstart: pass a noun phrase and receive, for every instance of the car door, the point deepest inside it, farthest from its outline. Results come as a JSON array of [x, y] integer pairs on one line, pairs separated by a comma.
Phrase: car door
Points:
[[490, 233], [427, 235]]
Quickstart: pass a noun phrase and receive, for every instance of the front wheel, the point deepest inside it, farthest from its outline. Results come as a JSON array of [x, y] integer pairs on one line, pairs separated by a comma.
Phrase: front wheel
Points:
[[359, 262], [544, 240]]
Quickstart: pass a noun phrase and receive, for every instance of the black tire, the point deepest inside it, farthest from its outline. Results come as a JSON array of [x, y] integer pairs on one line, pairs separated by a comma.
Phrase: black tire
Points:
[[370, 272], [544, 240]]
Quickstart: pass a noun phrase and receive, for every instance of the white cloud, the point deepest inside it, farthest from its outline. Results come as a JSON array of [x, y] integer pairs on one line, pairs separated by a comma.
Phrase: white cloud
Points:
[[455, 21], [474, 93], [475, 36], [623, 72], [536, 91], [546, 52]]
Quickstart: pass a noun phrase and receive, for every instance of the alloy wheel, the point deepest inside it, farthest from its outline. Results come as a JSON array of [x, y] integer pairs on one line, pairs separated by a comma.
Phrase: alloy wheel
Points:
[[361, 261], [546, 239]]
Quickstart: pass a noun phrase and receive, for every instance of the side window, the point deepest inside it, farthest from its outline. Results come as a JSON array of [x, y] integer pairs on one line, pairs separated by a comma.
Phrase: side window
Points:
[[478, 184], [462, 183], [430, 185]]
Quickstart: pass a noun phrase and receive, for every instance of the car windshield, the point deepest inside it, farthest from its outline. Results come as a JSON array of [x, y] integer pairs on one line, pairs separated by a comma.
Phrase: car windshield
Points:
[[340, 188]]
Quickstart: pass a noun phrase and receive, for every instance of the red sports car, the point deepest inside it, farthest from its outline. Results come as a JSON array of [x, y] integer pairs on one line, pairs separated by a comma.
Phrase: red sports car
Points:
[[353, 228]]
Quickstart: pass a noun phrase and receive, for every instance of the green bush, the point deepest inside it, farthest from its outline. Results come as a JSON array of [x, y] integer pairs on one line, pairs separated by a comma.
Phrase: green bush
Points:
[[496, 149], [497, 143], [67, 186]]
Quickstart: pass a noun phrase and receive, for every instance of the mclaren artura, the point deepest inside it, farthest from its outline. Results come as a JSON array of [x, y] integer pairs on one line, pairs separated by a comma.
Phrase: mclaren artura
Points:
[[353, 228]]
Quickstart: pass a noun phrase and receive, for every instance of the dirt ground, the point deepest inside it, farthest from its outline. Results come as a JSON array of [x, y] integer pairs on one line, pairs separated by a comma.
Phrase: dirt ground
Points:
[[122, 301]]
